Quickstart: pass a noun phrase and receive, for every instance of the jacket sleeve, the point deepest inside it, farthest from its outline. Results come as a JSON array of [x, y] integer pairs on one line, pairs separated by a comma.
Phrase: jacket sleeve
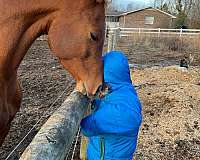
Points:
[[110, 119]]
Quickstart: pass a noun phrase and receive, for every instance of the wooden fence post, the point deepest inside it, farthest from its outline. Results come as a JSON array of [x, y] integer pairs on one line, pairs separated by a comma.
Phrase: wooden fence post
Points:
[[54, 139], [84, 141], [83, 148]]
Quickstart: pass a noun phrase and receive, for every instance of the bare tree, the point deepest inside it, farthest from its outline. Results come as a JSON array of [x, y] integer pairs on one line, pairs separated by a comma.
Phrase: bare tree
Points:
[[182, 8], [194, 15], [158, 3], [164, 5], [111, 6], [187, 11]]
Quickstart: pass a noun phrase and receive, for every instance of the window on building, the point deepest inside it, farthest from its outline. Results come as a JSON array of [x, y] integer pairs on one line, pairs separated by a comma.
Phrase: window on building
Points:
[[149, 20]]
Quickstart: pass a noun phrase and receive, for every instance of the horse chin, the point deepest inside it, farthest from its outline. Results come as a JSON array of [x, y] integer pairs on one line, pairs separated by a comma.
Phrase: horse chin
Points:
[[88, 90], [92, 93], [80, 87]]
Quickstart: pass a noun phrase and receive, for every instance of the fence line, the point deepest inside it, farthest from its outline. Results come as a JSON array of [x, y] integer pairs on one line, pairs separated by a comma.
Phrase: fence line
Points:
[[116, 33], [124, 32], [157, 30], [54, 139]]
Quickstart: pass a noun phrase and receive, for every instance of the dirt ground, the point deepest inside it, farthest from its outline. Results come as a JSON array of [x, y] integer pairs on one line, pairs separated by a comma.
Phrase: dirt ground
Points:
[[170, 98]]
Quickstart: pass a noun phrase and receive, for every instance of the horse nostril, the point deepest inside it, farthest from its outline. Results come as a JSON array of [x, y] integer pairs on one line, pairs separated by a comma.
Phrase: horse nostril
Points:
[[93, 36]]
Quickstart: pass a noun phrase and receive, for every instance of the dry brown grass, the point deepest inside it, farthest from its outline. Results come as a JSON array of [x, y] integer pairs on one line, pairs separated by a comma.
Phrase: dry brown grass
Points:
[[165, 43], [154, 48]]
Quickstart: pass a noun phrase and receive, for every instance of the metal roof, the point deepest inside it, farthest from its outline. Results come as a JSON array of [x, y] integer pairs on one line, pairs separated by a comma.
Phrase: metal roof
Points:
[[119, 14], [114, 13], [148, 8]]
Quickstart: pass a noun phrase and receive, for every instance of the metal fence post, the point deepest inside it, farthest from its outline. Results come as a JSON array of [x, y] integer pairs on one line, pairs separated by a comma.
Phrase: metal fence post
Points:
[[113, 37], [159, 32], [181, 31], [110, 40], [139, 32]]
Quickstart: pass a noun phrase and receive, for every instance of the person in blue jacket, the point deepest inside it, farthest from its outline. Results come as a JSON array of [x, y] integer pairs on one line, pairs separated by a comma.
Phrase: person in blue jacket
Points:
[[114, 124]]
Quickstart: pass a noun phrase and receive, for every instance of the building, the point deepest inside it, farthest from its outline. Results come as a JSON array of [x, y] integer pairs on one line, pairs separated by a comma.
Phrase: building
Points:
[[143, 18], [112, 19], [147, 18]]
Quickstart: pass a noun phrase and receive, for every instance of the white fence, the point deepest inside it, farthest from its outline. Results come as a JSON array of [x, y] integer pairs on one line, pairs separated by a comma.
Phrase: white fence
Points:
[[116, 33], [158, 31]]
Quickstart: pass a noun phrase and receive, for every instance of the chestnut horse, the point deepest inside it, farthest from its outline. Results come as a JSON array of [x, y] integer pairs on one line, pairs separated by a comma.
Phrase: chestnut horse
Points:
[[75, 30]]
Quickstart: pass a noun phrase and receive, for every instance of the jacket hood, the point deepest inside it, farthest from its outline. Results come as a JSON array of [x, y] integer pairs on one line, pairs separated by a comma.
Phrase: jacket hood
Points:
[[116, 69]]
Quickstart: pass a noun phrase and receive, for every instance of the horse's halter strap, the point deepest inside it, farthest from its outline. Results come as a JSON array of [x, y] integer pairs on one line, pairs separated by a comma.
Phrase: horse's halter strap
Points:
[[101, 92]]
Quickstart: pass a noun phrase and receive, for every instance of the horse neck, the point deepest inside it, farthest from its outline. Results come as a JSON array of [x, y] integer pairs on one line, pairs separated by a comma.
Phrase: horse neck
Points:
[[25, 14], [21, 23], [19, 7], [34, 10]]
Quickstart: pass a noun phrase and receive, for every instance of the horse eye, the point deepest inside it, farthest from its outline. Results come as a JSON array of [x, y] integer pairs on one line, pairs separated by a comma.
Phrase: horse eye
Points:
[[93, 36]]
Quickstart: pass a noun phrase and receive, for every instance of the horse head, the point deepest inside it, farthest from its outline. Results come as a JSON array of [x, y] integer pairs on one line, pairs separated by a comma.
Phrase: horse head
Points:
[[76, 37]]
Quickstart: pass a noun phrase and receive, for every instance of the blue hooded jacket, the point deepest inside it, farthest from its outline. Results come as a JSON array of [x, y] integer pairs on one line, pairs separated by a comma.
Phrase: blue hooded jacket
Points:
[[114, 125]]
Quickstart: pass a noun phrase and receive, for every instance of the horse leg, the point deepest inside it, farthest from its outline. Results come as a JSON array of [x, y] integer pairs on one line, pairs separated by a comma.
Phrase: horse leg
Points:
[[3, 133], [10, 99], [4, 119], [13, 47], [15, 98]]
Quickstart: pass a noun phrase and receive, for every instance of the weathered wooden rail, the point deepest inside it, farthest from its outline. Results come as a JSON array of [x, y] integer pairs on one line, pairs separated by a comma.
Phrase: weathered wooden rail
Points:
[[54, 139]]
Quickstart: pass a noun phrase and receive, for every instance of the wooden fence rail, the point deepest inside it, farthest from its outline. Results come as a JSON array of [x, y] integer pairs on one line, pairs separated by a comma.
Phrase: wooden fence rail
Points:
[[54, 139]]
